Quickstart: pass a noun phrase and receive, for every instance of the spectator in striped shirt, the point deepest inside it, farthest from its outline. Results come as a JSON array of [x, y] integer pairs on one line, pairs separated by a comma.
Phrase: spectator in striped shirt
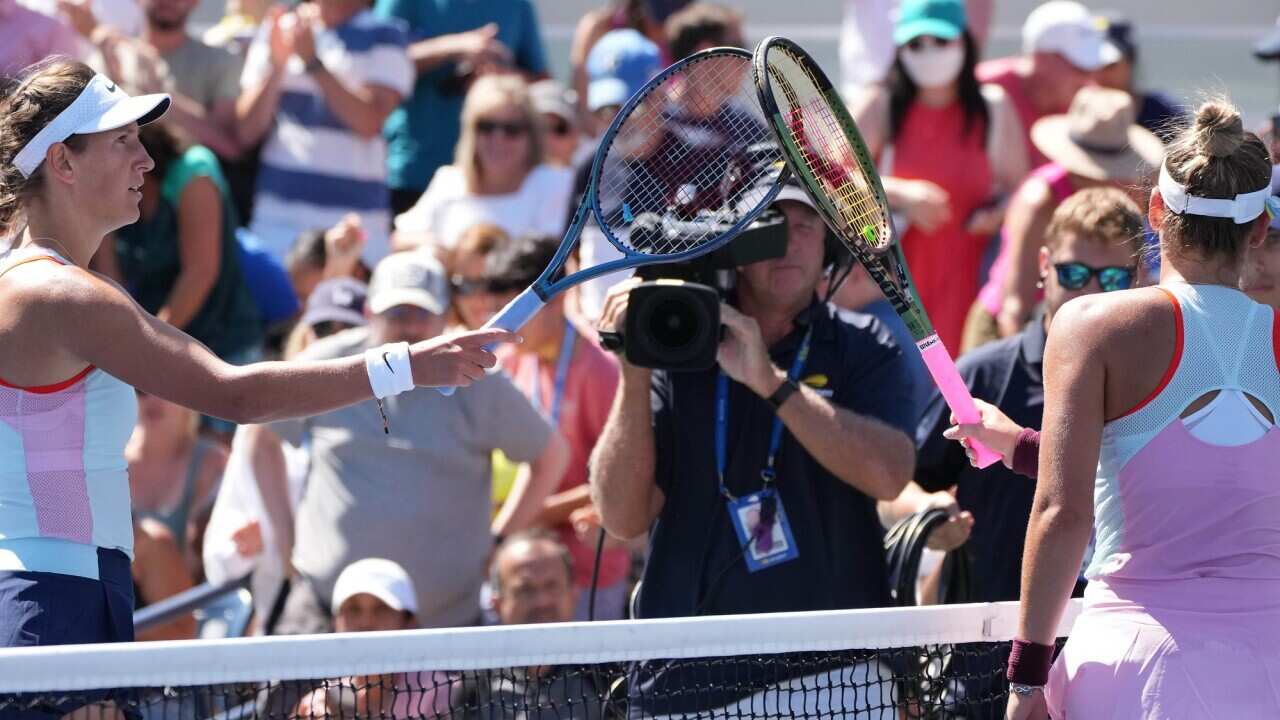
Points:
[[318, 83]]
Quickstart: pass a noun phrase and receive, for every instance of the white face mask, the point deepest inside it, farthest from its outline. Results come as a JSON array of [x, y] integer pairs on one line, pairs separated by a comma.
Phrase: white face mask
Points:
[[934, 66]]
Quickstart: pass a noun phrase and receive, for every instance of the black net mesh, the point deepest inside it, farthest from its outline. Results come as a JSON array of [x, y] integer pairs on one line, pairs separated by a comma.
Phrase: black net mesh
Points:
[[901, 663], [928, 681]]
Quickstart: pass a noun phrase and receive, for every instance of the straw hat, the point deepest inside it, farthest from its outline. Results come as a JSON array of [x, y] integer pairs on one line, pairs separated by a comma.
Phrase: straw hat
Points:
[[1098, 137]]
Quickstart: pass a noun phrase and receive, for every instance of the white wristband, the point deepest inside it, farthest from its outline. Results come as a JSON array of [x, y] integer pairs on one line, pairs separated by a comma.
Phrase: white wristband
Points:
[[389, 370]]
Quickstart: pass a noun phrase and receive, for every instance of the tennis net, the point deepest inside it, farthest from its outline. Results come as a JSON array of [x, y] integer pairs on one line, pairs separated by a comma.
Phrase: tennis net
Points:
[[919, 662]]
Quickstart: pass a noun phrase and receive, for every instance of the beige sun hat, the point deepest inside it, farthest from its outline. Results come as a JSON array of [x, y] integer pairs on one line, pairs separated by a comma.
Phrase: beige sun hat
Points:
[[1099, 138]]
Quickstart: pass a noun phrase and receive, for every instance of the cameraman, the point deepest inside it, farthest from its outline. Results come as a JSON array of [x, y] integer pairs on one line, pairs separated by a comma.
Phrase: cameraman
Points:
[[844, 444]]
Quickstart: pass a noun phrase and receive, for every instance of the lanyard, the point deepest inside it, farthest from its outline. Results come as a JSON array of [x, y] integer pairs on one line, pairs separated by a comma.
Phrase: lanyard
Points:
[[775, 437], [562, 376]]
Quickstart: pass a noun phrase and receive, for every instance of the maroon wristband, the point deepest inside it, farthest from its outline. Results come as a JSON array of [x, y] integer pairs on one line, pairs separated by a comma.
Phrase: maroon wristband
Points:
[[1029, 663], [1026, 453]]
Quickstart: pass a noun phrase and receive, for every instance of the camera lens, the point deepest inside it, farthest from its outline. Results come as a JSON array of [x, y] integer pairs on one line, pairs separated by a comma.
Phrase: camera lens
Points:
[[675, 325]]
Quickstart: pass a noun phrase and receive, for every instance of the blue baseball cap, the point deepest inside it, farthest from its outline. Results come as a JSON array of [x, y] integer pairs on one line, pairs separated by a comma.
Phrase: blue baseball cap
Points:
[[336, 300], [938, 18], [618, 65]]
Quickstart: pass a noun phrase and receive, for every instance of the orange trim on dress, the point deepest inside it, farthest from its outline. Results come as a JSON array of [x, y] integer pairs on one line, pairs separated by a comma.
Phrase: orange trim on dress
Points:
[[55, 387], [33, 258], [1173, 364]]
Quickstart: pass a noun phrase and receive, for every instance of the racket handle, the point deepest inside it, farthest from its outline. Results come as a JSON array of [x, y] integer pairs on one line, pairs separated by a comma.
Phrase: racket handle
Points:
[[512, 317], [947, 378]]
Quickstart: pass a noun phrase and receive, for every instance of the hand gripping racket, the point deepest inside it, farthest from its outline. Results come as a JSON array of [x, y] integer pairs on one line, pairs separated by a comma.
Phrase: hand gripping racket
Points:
[[685, 166], [824, 148]]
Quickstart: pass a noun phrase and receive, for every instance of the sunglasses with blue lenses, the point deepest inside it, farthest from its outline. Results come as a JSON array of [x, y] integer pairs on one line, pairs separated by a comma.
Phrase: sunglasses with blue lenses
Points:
[[1075, 275]]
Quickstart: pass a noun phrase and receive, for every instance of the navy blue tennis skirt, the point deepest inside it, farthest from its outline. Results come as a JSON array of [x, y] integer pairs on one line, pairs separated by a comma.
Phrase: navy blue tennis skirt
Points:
[[40, 608]]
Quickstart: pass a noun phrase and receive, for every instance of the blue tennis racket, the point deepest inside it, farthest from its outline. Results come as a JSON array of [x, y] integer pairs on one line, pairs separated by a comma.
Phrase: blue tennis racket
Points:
[[685, 166]]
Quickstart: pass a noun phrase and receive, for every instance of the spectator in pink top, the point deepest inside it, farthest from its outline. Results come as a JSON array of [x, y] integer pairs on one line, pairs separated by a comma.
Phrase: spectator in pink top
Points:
[[31, 37], [1062, 45], [565, 374]]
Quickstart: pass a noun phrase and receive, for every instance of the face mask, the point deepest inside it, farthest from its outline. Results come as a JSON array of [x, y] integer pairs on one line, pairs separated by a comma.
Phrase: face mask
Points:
[[934, 66]]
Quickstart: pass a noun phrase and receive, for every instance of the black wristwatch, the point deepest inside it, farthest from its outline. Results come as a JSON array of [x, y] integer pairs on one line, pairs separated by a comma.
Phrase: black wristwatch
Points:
[[784, 391]]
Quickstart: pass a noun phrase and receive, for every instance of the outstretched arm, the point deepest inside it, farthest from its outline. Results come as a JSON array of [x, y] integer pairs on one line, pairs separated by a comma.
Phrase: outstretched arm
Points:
[[97, 323]]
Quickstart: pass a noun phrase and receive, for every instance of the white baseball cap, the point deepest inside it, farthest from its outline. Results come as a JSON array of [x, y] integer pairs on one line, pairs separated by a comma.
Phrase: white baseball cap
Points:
[[409, 278], [379, 577], [101, 106], [791, 190], [1068, 28]]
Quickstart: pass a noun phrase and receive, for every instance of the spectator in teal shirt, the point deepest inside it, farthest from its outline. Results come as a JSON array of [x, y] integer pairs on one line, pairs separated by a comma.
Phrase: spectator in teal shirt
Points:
[[451, 42]]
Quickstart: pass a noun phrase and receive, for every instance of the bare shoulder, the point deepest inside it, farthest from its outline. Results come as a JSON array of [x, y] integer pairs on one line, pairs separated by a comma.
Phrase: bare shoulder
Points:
[[1034, 194], [1128, 330], [46, 287], [1111, 316]]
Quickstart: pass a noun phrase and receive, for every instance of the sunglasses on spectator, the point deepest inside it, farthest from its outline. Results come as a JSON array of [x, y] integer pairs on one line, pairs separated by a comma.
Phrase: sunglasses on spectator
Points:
[[559, 126], [1075, 275], [325, 328], [474, 286], [510, 129], [407, 313], [921, 42]]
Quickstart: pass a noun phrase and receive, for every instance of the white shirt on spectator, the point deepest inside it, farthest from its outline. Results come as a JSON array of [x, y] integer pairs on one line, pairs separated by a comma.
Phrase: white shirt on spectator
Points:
[[315, 169], [866, 43], [446, 209], [123, 15]]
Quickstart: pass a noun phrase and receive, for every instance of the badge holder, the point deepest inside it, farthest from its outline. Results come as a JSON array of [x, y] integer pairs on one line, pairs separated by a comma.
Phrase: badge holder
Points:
[[763, 530]]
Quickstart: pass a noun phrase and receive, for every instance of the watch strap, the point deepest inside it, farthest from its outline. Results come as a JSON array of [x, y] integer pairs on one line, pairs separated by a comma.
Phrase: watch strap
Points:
[[784, 391]]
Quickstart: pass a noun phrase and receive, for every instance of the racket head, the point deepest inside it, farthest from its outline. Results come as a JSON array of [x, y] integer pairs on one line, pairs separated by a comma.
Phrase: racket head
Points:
[[825, 150], [688, 162]]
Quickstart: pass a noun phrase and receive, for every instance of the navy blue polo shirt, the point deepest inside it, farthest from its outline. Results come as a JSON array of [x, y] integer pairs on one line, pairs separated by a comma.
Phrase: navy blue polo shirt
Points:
[[1007, 374], [695, 562]]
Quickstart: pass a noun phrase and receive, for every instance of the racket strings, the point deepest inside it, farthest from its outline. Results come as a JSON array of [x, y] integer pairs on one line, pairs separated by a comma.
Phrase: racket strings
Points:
[[827, 153], [691, 157]]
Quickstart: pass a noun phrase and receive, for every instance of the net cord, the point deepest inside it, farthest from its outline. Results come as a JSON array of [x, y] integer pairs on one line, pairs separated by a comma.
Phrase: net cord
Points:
[[207, 662]]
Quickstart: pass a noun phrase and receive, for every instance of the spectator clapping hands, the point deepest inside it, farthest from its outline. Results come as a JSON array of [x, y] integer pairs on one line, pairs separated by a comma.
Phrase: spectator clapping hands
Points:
[[343, 244]]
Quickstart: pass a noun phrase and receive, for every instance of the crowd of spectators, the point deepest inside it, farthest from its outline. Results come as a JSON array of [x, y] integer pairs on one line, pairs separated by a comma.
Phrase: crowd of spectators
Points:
[[343, 174]]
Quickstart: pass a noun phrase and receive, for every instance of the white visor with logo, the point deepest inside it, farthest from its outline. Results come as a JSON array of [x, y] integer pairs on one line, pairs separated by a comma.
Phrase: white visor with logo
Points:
[[101, 106]]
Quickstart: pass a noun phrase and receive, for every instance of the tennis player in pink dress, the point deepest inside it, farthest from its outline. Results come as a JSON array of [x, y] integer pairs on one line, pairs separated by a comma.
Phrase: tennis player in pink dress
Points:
[[1160, 411]]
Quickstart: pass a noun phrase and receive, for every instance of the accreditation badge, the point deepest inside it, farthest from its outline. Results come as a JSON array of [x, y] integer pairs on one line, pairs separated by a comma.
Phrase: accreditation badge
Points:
[[763, 530]]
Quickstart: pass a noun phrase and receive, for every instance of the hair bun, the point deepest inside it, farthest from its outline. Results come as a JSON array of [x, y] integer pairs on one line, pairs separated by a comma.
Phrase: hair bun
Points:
[[1219, 131]]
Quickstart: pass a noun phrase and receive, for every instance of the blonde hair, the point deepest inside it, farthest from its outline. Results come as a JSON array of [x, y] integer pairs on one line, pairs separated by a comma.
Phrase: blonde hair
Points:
[[485, 92], [1214, 158], [1106, 214], [27, 105]]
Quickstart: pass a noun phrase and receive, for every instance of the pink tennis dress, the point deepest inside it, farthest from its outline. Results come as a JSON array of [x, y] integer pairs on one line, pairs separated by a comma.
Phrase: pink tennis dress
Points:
[[1182, 612]]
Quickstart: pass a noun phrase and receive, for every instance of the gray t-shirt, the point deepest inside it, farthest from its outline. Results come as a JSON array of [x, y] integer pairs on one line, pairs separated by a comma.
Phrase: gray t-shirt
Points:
[[204, 73], [419, 496]]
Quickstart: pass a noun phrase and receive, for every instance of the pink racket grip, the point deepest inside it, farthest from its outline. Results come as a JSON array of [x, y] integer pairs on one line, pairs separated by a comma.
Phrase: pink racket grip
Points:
[[954, 391]]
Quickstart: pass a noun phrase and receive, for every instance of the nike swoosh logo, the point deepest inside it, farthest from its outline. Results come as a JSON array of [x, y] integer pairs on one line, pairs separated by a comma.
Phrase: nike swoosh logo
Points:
[[388, 362]]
